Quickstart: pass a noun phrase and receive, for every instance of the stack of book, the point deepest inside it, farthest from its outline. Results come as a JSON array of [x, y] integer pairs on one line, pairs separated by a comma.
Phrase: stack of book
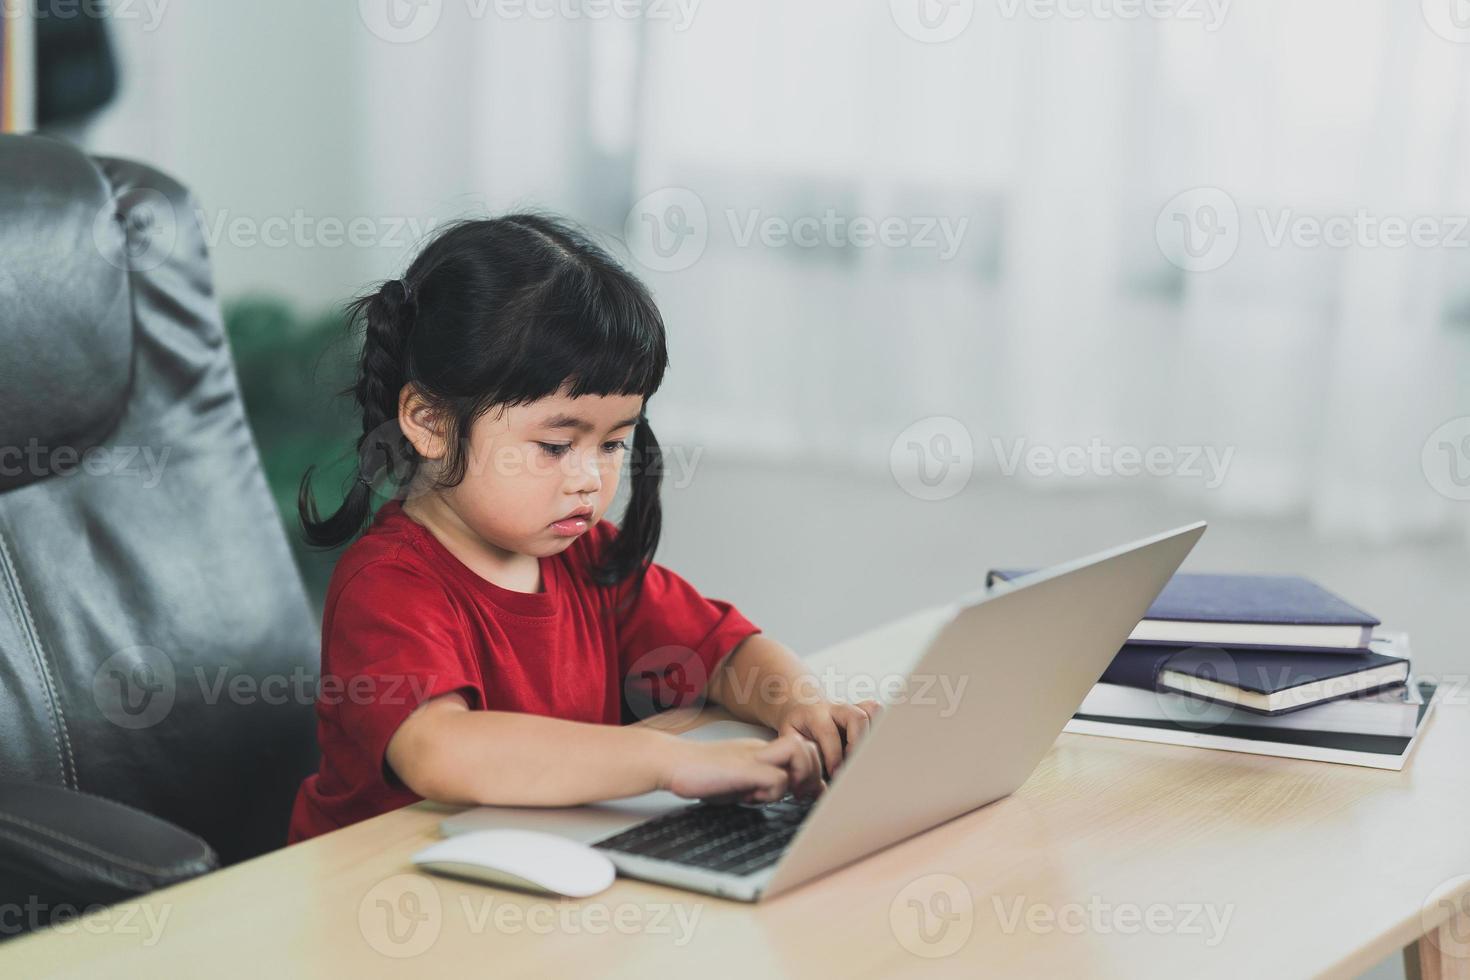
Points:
[[1273, 665]]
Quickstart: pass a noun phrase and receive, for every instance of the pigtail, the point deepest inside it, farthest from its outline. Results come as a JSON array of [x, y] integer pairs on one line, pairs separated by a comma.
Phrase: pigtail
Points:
[[387, 317], [637, 539]]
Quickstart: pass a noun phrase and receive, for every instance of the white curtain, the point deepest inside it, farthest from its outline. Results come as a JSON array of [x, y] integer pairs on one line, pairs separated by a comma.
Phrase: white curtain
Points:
[[1316, 372], [1059, 313]]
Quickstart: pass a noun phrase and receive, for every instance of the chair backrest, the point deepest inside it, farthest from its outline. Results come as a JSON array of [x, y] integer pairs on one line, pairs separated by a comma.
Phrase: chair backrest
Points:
[[156, 644]]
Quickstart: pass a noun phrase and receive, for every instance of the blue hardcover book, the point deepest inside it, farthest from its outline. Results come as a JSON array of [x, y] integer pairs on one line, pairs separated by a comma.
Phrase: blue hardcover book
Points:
[[1269, 683], [1242, 611], [1263, 681]]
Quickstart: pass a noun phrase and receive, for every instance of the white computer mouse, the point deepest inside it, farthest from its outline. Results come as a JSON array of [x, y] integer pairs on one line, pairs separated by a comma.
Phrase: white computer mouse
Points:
[[522, 859]]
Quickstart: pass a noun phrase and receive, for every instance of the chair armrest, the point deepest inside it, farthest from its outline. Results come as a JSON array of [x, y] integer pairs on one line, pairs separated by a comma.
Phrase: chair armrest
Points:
[[62, 846]]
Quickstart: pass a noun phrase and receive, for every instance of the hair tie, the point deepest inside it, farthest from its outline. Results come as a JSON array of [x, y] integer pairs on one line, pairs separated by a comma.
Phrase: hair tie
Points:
[[407, 296]]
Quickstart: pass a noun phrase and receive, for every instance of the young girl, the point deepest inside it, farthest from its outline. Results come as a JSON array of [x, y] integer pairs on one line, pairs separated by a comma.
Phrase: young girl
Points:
[[482, 640]]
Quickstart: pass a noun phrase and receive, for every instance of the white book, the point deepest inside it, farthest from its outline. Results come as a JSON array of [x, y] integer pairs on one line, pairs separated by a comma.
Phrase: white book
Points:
[[1349, 748], [1394, 711]]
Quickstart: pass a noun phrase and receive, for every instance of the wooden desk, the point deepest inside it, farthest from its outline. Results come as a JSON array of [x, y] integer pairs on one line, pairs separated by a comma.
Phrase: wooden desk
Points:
[[1116, 859]]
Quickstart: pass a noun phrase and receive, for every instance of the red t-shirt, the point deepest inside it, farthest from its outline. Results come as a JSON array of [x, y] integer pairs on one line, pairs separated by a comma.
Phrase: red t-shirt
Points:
[[405, 621]]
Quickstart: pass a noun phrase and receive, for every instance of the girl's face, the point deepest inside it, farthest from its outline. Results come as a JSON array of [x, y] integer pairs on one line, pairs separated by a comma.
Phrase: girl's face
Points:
[[529, 467]]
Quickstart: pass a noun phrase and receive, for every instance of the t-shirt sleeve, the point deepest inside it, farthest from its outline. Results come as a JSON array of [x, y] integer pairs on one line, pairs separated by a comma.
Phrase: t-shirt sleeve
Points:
[[671, 640], [394, 641]]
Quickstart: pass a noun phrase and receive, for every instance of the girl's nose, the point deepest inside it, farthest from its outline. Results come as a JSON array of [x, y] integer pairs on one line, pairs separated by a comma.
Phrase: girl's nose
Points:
[[587, 475]]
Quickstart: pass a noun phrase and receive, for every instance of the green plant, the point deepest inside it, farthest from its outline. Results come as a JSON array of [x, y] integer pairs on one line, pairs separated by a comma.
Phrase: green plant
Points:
[[290, 369]]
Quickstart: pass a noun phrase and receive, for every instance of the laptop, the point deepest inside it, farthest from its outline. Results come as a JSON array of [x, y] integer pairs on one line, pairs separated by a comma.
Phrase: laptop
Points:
[[1027, 653]]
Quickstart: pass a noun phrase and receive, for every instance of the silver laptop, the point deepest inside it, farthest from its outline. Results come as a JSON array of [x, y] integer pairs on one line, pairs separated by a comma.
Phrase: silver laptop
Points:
[[1028, 653]]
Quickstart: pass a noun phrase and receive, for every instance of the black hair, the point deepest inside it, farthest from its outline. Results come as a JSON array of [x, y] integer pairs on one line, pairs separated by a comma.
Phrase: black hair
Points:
[[492, 312]]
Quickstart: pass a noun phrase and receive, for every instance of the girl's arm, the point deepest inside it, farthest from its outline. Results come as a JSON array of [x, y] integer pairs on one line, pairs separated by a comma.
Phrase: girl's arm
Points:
[[765, 682], [445, 751]]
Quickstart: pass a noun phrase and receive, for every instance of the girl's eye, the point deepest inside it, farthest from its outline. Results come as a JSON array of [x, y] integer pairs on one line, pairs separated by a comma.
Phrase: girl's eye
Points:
[[554, 449], [612, 447]]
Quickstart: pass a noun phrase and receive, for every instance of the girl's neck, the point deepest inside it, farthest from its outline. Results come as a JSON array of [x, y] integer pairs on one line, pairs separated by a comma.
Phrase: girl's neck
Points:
[[506, 569]]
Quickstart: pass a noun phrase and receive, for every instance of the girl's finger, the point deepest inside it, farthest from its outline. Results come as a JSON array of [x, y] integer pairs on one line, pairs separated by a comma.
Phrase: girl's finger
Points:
[[809, 785], [856, 724], [824, 733]]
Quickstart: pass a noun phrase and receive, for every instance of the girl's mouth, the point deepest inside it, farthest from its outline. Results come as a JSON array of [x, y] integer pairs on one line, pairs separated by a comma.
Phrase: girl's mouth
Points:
[[571, 526]]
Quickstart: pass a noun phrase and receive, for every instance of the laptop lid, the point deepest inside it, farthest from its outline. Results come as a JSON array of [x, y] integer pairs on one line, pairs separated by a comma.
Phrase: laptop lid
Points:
[[1018, 663]]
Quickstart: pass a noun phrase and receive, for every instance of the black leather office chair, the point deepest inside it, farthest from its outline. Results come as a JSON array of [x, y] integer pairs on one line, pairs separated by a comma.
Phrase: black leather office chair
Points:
[[157, 651]]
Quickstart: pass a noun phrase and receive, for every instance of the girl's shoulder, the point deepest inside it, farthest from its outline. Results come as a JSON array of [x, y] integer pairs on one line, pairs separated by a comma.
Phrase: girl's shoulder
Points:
[[388, 547]]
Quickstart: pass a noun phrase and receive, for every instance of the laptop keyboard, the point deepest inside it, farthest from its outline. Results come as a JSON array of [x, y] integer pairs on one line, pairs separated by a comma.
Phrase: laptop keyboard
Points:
[[730, 838]]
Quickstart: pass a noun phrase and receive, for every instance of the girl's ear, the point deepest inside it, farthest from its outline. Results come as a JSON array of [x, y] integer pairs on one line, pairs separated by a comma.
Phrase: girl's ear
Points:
[[423, 424]]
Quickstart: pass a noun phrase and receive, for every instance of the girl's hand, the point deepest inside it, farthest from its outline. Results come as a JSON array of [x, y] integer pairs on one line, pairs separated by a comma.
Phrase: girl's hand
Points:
[[746, 770], [834, 726]]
